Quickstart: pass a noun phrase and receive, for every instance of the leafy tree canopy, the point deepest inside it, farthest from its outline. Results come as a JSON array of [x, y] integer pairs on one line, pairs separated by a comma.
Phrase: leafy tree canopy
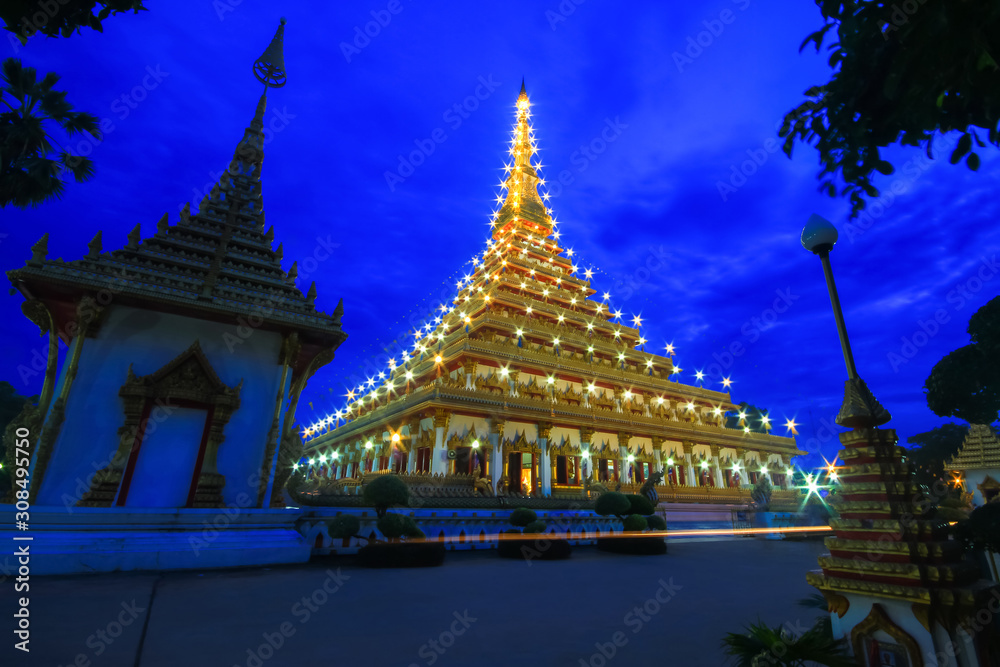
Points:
[[612, 502], [903, 73], [933, 449], [966, 383], [54, 19], [32, 162], [522, 516], [385, 491]]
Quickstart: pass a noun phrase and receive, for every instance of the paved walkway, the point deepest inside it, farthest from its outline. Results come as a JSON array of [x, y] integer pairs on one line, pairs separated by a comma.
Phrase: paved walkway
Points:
[[476, 610]]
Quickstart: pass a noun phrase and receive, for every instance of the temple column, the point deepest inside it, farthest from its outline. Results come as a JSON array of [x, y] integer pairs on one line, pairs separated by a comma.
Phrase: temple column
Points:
[[496, 453], [766, 465], [411, 456], [623, 452], [744, 471], [586, 436], [439, 458], [720, 482], [689, 449], [544, 465]]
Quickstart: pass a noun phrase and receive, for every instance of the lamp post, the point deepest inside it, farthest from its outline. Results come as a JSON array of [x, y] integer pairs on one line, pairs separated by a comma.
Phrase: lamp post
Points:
[[860, 407]]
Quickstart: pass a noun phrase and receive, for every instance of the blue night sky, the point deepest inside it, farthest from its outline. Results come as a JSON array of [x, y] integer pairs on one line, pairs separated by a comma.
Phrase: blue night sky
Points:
[[707, 267]]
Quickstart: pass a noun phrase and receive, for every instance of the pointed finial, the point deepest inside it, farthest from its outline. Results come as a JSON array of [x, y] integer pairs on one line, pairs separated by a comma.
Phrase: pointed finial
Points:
[[293, 272], [280, 252], [270, 67], [203, 206], [94, 247], [311, 295], [214, 194], [40, 249], [338, 311], [163, 224], [133, 237], [523, 91], [269, 235], [185, 213]]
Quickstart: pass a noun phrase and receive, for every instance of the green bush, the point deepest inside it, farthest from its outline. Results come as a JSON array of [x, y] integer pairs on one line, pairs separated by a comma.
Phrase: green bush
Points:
[[640, 505], [394, 526], [612, 502], [635, 522], [656, 522], [345, 525], [534, 527], [522, 516], [384, 492], [411, 529]]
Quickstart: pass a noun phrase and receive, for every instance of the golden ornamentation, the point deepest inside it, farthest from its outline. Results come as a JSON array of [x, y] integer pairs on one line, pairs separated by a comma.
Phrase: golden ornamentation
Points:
[[878, 620], [189, 377], [46, 441], [836, 603]]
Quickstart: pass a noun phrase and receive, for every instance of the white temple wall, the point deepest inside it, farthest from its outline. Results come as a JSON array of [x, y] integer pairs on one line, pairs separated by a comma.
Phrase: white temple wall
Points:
[[973, 478], [149, 340]]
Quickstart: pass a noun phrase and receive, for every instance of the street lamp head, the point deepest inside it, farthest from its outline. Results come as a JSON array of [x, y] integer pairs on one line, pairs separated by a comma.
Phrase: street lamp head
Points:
[[819, 234]]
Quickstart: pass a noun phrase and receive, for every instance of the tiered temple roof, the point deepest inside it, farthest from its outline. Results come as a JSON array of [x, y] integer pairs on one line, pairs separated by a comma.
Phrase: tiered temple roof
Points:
[[979, 451], [215, 264]]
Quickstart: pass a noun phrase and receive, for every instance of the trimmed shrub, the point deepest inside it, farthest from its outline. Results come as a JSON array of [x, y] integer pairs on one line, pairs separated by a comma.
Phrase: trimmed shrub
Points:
[[534, 527], [640, 505], [522, 516], [384, 492], [612, 502], [394, 526], [656, 522], [635, 522], [411, 529], [345, 525]]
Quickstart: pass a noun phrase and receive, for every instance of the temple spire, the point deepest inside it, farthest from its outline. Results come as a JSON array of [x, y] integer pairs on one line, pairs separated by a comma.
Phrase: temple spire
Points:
[[237, 195], [522, 203], [270, 67]]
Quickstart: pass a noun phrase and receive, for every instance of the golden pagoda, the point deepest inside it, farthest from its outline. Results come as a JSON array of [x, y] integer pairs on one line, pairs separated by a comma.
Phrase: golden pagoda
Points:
[[528, 386], [979, 462]]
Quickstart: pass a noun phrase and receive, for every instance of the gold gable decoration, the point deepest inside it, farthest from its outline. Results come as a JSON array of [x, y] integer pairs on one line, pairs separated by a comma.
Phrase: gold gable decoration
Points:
[[519, 444], [456, 441], [189, 377]]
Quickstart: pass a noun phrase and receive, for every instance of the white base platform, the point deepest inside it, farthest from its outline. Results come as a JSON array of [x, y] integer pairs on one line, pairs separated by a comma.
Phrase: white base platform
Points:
[[113, 539]]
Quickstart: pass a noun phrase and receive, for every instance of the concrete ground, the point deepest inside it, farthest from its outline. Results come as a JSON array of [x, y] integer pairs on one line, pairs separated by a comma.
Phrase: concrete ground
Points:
[[476, 610]]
